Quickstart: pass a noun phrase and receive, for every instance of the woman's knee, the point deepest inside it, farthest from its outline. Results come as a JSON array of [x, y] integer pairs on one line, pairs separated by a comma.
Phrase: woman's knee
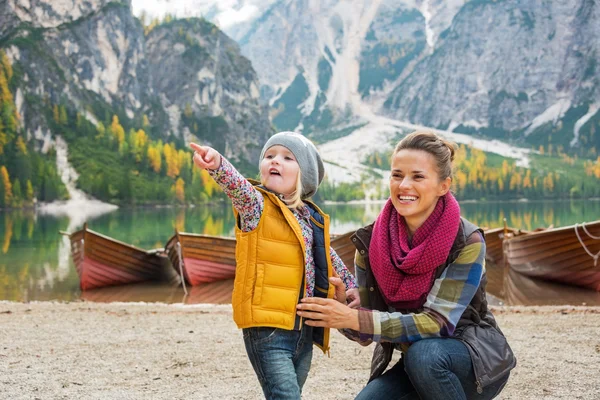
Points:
[[425, 353]]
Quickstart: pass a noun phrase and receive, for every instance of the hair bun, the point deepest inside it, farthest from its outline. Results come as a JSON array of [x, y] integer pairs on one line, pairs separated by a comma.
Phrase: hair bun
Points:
[[452, 147]]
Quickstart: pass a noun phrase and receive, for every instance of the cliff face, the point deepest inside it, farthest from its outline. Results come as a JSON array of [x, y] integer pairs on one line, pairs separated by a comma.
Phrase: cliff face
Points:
[[542, 60], [519, 70], [207, 86], [94, 57]]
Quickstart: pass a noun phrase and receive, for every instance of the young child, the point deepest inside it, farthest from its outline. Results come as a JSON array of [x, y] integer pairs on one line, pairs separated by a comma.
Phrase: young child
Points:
[[283, 254]]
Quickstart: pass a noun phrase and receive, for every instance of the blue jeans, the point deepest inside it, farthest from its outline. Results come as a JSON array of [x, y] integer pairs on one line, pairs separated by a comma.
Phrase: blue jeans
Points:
[[431, 369], [280, 358]]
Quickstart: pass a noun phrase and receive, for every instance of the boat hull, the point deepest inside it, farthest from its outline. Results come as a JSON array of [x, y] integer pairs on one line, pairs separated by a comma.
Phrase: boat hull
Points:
[[202, 258], [494, 251], [102, 261], [343, 246], [558, 255]]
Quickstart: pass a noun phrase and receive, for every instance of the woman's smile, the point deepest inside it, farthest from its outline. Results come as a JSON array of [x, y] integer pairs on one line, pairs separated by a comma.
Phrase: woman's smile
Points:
[[415, 186]]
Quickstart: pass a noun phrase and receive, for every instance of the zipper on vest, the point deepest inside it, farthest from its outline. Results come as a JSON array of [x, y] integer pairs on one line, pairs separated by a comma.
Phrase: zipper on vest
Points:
[[479, 388]]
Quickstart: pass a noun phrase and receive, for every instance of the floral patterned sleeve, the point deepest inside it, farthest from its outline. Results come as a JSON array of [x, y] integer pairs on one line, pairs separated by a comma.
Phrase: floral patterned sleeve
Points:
[[342, 270], [248, 201]]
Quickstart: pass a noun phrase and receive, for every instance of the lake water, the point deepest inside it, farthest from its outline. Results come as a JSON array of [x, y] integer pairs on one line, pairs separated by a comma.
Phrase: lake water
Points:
[[35, 262]]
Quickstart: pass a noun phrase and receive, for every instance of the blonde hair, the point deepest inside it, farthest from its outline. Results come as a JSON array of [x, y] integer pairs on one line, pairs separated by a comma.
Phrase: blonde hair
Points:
[[441, 150], [295, 199]]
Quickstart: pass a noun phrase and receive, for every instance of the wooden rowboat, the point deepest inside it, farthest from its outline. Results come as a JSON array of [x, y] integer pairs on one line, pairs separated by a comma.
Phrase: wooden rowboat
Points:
[[103, 261], [567, 255], [494, 239], [202, 258], [343, 246]]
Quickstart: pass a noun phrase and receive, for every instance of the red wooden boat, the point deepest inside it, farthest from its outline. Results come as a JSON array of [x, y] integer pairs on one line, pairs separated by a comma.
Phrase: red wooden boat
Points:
[[103, 261], [202, 258], [343, 246], [567, 255]]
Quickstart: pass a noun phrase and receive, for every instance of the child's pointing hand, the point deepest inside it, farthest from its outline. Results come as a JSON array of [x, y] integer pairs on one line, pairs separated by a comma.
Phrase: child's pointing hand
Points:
[[206, 157]]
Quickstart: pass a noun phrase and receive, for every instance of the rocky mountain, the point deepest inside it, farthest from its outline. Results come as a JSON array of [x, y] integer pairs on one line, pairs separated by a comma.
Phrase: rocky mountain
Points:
[[523, 71], [207, 88], [183, 78]]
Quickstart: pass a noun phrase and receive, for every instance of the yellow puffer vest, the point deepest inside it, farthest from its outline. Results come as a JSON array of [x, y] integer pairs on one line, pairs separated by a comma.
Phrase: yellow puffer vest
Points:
[[270, 262]]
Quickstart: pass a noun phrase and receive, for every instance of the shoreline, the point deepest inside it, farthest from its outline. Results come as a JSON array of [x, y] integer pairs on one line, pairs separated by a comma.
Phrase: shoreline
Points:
[[173, 351], [43, 207]]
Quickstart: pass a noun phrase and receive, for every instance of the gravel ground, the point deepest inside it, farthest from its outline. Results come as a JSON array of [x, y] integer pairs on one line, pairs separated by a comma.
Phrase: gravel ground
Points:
[[86, 350]]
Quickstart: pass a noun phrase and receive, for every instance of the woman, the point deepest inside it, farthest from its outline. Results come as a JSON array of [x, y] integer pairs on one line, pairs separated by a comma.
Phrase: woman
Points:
[[421, 275]]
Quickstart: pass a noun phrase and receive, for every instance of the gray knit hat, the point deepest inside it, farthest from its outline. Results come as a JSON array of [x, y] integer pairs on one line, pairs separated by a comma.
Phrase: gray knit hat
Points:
[[307, 156]]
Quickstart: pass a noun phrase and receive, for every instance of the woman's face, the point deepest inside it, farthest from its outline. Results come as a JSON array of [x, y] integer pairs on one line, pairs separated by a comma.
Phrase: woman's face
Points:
[[279, 170], [415, 186]]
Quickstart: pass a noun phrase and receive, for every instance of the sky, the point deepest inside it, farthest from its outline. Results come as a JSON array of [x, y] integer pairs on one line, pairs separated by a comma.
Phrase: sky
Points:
[[225, 13]]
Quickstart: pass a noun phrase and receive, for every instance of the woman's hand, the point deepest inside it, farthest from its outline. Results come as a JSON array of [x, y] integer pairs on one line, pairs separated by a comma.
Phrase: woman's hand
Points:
[[328, 313], [206, 157]]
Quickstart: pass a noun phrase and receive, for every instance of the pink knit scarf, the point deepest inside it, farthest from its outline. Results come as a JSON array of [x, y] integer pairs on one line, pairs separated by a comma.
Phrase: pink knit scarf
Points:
[[405, 272]]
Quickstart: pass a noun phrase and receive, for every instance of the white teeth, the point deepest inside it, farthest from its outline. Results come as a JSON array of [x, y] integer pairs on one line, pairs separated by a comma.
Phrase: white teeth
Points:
[[408, 198]]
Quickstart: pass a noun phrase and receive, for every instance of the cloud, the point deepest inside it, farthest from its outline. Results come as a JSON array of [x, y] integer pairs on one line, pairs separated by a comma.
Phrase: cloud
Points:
[[230, 17]]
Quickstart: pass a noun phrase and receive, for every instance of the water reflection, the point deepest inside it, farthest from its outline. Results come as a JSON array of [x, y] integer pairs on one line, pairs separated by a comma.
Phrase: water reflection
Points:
[[531, 215], [35, 259], [505, 286], [210, 293], [515, 289]]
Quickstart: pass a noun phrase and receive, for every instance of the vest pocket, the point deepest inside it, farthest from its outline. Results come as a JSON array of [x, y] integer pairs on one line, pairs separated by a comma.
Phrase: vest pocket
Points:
[[258, 286]]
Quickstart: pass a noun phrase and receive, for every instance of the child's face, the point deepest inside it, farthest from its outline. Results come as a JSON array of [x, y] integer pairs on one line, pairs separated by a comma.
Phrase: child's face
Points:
[[279, 170]]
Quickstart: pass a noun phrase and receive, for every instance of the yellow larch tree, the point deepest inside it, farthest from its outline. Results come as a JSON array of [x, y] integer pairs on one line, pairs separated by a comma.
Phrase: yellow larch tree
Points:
[[56, 114], [3, 138], [21, 146], [172, 160], [117, 130], [29, 190], [527, 180], [5, 93], [155, 158], [6, 65], [515, 181], [7, 185], [179, 190], [461, 180]]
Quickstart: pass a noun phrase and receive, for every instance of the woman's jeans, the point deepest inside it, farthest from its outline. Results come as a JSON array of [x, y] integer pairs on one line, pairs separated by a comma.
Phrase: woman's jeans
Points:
[[431, 369], [280, 358]]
